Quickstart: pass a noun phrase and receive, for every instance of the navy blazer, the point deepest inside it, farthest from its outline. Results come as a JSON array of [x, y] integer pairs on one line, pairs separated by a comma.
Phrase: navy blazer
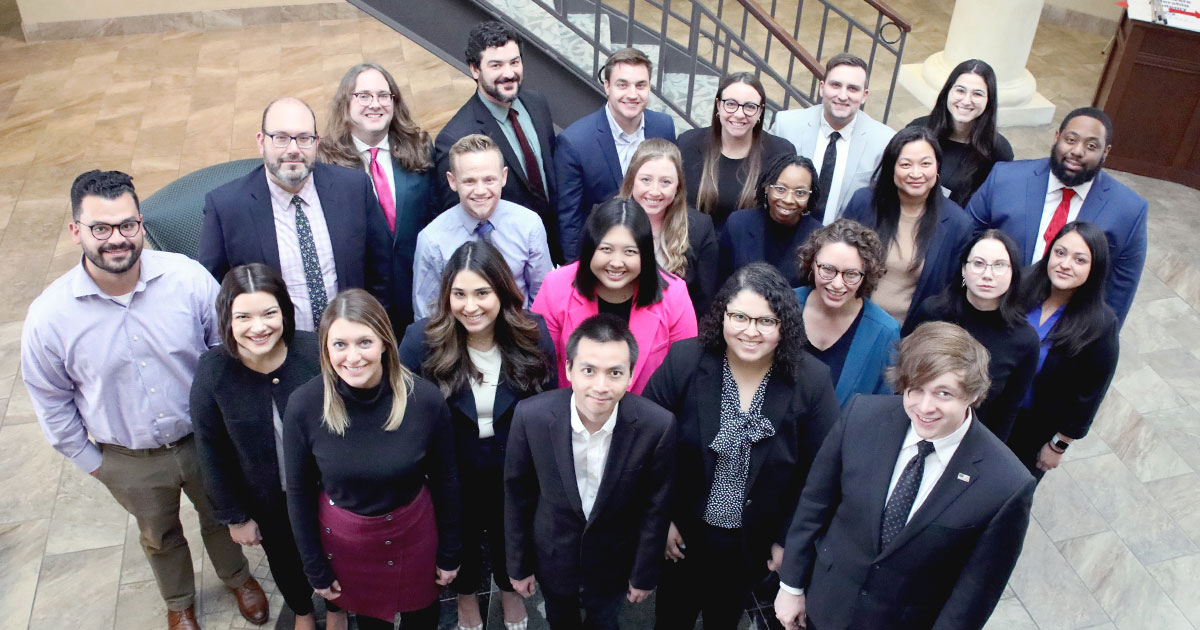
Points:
[[744, 241], [239, 228], [588, 171], [414, 210], [945, 570], [1013, 197], [941, 258]]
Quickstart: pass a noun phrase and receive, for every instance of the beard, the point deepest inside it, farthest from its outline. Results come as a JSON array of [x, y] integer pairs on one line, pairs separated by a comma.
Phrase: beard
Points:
[[96, 257], [1068, 178], [493, 90], [290, 177]]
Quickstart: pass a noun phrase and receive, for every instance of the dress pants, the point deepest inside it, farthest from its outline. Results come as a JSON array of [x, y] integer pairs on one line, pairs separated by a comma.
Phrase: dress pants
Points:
[[599, 611], [146, 482], [280, 546], [481, 474], [714, 578]]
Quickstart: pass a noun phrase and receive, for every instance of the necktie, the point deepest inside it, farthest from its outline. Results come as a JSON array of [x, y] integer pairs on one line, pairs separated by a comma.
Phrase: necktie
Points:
[[312, 264], [825, 179], [895, 514], [532, 172], [383, 191], [483, 231], [1058, 220]]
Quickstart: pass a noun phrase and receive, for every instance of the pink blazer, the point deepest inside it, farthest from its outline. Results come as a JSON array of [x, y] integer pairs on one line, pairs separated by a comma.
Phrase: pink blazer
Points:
[[655, 327]]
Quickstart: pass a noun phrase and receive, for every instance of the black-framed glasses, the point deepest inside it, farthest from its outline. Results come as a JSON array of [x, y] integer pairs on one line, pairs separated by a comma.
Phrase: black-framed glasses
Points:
[[742, 321], [365, 98], [128, 228], [850, 276], [731, 106], [282, 140], [779, 192], [979, 265]]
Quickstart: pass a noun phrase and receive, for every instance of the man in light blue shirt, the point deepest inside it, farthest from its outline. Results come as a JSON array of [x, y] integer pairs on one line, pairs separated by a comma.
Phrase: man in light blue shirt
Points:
[[108, 353], [477, 174]]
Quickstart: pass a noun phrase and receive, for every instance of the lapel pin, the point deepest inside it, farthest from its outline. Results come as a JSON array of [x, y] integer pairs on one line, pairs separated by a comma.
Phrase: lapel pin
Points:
[[964, 477]]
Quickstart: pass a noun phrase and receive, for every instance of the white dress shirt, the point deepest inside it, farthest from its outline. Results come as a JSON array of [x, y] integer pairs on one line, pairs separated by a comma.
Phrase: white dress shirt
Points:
[[833, 195], [1054, 196], [384, 157], [627, 143], [590, 451], [291, 264]]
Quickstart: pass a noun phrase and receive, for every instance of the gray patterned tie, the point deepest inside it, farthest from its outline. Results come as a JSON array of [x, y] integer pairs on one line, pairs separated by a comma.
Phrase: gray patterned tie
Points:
[[895, 515], [312, 264]]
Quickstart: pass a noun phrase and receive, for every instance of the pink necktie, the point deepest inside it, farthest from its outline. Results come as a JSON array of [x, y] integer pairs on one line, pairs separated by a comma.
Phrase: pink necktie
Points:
[[383, 191]]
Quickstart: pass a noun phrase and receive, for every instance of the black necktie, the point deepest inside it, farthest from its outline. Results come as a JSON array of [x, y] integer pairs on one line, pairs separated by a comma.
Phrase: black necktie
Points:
[[825, 180], [532, 171], [312, 264], [895, 514]]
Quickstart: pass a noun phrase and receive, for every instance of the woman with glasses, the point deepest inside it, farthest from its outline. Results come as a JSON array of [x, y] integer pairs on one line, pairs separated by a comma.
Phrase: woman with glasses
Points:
[[987, 304], [753, 408], [841, 265], [723, 162], [773, 231]]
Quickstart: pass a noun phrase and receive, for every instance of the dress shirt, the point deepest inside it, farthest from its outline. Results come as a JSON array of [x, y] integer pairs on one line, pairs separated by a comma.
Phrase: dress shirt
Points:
[[384, 157], [510, 134], [1054, 189], [518, 233], [118, 374], [590, 451], [833, 195], [290, 262], [627, 143]]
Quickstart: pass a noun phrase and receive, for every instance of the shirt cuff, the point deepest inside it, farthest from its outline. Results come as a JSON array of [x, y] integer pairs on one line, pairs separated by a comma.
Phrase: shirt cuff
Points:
[[790, 589], [88, 460]]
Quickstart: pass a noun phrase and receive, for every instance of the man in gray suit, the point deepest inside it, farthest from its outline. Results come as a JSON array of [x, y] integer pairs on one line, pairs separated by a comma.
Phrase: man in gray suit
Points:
[[842, 141]]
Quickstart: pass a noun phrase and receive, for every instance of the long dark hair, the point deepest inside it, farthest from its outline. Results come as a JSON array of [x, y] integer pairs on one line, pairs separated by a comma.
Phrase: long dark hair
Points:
[[1086, 316], [252, 278], [706, 194], [953, 300], [982, 137], [886, 197], [606, 216], [776, 167], [449, 365], [766, 281]]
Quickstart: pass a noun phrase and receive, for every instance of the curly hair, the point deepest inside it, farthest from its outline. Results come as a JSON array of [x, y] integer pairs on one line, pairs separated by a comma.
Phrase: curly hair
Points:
[[776, 168], [765, 281], [485, 35], [856, 235]]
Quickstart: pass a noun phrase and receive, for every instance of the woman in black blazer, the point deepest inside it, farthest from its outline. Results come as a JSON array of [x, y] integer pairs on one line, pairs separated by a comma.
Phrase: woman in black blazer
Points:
[[238, 398], [753, 408], [485, 354], [1079, 346]]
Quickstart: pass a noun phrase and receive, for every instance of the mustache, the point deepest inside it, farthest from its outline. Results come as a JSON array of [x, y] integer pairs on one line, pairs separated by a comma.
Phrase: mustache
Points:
[[117, 248]]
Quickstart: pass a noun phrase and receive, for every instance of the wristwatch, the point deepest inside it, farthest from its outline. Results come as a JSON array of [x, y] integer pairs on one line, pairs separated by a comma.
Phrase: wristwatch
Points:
[[1059, 444]]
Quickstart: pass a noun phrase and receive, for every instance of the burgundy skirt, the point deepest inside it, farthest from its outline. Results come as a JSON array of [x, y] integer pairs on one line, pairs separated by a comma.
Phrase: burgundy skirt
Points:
[[385, 564]]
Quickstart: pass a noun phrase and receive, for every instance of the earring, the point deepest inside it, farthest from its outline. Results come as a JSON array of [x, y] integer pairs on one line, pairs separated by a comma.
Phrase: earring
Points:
[[964, 281]]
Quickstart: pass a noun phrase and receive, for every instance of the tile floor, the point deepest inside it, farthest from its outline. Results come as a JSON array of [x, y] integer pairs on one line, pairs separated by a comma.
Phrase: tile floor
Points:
[[1114, 542]]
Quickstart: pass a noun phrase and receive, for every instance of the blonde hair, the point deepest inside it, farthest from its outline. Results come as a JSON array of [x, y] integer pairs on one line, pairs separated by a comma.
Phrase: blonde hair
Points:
[[673, 239], [937, 348]]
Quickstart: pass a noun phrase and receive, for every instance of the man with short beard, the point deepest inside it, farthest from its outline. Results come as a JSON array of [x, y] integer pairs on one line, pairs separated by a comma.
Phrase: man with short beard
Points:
[[318, 224], [1032, 199]]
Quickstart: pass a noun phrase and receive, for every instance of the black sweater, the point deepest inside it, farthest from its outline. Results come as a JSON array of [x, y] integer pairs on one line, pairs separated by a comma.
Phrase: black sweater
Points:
[[730, 173], [956, 170]]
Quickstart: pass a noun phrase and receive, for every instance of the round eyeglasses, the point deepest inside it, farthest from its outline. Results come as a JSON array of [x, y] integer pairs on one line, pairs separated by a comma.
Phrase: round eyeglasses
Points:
[[779, 192], [742, 321], [978, 265], [102, 231], [850, 276], [731, 106]]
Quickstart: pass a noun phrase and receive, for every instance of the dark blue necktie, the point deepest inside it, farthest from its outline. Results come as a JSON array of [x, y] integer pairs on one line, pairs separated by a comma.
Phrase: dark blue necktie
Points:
[[895, 514], [312, 264], [484, 231]]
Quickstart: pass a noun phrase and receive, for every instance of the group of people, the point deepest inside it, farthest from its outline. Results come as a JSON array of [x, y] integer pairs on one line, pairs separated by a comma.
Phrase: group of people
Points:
[[604, 362]]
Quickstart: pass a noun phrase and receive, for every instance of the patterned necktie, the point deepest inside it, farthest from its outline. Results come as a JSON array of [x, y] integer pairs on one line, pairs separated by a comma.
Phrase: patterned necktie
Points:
[[383, 191], [483, 231], [1059, 219], [825, 179], [532, 172], [312, 264], [895, 514]]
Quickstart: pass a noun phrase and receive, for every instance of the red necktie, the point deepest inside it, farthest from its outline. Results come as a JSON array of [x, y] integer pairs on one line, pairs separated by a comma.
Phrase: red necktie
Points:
[[532, 171], [1058, 220], [383, 191]]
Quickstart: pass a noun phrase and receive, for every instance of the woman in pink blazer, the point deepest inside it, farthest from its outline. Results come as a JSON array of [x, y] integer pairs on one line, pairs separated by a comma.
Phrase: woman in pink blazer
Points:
[[608, 278]]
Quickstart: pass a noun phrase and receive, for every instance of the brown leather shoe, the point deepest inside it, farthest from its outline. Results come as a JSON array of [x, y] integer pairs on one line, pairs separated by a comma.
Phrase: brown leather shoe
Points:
[[252, 602], [182, 619]]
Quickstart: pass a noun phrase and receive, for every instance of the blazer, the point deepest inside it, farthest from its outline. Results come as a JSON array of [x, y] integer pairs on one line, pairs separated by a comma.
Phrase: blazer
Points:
[[588, 171], [801, 408], [414, 210], [744, 241], [474, 117], [655, 327], [1012, 199], [802, 126], [702, 253], [945, 570], [239, 228], [235, 431], [871, 352], [941, 259], [621, 543]]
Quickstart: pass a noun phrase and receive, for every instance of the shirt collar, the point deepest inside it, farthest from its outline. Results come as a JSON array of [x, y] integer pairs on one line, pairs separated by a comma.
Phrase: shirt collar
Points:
[[384, 145], [469, 221], [577, 424], [1081, 190], [845, 132], [498, 112], [619, 134], [945, 443], [308, 192], [82, 284]]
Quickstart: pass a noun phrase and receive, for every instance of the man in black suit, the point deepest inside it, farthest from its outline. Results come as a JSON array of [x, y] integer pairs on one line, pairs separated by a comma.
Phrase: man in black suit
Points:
[[914, 514], [319, 225], [517, 120], [587, 480]]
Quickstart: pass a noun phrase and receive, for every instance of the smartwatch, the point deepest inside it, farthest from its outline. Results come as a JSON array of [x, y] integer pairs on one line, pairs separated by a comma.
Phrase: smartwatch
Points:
[[1059, 444]]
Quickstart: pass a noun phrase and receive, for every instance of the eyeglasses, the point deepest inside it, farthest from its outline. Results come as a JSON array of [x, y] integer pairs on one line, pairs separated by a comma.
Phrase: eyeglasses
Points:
[[365, 98], [742, 321], [781, 191], [282, 140], [730, 106], [978, 265], [850, 276], [102, 231]]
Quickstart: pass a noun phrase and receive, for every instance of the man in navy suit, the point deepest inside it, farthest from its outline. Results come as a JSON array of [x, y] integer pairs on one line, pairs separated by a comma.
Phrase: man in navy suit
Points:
[[913, 514], [587, 480], [594, 152], [1032, 199], [319, 225]]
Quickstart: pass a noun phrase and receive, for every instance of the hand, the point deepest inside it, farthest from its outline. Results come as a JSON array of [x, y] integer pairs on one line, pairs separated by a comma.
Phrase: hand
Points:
[[1048, 459], [95, 473], [675, 544], [776, 560], [333, 592], [246, 533], [789, 610], [524, 587], [637, 595], [444, 578]]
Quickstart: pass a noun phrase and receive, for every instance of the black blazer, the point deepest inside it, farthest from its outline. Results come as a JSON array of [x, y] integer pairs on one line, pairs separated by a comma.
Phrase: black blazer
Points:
[[802, 409], [474, 117], [546, 534], [744, 241], [414, 210], [235, 430], [945, 570], [239, 228], [701, 276]]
